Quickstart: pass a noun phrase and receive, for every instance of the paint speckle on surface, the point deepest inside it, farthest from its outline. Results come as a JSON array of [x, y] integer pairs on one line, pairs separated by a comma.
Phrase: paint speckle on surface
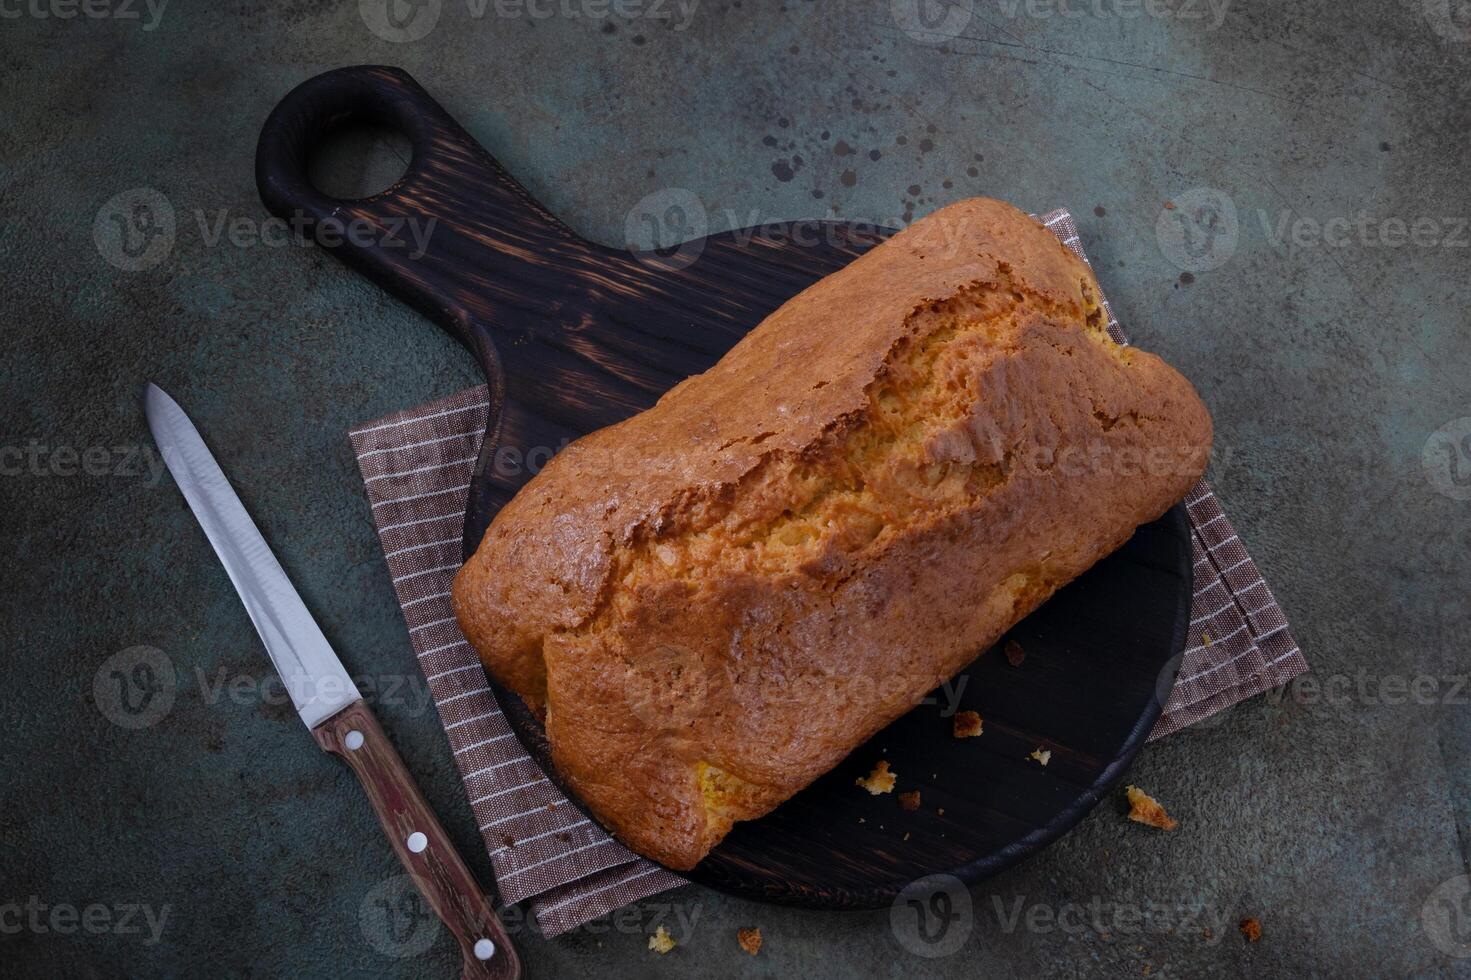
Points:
[[782, 170], [848, 178], [1100, 210]]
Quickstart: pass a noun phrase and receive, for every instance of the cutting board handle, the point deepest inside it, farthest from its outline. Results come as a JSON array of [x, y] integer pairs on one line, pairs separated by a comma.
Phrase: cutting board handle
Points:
[[459, 240], [456, 236]]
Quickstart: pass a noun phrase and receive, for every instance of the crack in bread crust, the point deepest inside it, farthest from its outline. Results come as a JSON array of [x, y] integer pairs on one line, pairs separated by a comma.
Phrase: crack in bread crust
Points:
[[817, 510], [773, 576]]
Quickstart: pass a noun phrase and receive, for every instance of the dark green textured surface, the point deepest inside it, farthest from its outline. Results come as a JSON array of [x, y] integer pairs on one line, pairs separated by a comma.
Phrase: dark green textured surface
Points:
[[1333, 819]]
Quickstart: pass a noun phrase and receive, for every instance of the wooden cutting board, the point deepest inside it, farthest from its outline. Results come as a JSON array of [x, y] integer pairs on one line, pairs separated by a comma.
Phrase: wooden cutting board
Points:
[[574, 335]]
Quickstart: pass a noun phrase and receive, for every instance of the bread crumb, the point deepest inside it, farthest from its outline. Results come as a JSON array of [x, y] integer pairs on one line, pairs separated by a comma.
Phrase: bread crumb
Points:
[[909, 801], [1042, 755], [940, 812], [967, 724], [1014, 653], [1169, 205], [661, 942], [1206, 637], [1251, 928], [1145, 809], [881, 780], [750, 939], [906, 835]]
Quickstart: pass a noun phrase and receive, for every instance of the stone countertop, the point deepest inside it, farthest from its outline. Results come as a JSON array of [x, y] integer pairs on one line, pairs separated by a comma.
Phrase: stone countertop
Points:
[[1326, 326]]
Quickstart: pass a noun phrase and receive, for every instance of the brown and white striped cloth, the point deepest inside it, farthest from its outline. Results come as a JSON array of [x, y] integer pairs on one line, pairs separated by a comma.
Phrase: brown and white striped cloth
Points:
[[416, 468]]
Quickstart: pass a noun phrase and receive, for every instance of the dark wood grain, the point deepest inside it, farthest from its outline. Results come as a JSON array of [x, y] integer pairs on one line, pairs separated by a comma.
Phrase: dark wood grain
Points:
[[574, 335], [438, 870]]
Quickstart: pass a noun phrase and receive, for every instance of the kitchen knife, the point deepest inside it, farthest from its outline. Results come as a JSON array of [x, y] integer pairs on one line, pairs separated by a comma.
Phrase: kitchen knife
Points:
[[326, 697]]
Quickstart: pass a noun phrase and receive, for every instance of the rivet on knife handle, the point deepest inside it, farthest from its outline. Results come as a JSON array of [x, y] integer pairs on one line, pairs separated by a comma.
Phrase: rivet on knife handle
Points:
[[420, 842]]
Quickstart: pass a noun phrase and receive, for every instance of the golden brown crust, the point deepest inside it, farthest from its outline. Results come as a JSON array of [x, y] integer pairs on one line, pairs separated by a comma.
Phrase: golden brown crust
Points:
[[1145, 809], [967, 725], [750, 939], [879, 781], [715, 601]]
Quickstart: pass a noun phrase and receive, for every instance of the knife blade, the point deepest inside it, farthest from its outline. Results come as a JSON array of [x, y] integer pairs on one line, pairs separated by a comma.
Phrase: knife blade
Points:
[[327, 699], [317, 682]]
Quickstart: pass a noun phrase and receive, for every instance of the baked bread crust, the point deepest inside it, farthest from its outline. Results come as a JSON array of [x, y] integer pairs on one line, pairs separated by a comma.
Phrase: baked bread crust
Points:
[[715, 601]]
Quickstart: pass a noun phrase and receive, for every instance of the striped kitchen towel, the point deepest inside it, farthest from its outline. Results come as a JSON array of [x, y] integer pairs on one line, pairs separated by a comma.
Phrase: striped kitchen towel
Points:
[[416, 468]]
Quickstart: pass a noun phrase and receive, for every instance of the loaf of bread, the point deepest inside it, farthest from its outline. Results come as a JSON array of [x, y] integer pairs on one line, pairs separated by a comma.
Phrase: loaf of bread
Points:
[[712, 603]]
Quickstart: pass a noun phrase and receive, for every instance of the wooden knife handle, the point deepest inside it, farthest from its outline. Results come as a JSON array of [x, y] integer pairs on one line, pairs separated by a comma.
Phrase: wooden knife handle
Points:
[[420, 842]]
